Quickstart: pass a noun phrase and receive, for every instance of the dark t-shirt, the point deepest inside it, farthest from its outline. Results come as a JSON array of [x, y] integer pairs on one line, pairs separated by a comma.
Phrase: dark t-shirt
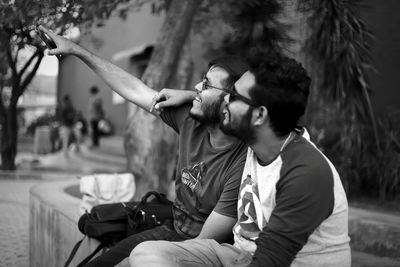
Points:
[[207, 179], [68, 115]]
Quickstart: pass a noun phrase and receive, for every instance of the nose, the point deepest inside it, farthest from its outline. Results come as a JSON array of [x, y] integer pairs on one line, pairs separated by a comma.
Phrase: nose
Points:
[[199, 86]]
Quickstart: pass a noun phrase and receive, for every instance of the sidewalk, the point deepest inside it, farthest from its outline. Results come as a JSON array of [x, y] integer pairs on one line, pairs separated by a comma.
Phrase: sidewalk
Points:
[[14, 222], [109, 157], [34, 169]]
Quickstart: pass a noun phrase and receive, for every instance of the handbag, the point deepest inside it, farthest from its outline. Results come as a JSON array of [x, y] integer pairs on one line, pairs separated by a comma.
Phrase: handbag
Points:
[[104, 127], [110, 223], [106, 188]]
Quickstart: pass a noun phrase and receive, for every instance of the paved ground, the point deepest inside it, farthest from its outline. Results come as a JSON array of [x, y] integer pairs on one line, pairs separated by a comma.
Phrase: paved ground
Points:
[[14, 189], [14, 222]]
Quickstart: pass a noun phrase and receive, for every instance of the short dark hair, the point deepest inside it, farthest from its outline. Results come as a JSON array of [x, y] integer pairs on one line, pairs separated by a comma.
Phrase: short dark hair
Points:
[[66, 98], [234, 65], [94, 90], [282, 86]]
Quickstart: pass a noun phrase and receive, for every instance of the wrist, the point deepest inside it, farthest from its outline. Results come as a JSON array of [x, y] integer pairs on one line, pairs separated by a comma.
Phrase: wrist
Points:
[[78, 50], [191, 95]]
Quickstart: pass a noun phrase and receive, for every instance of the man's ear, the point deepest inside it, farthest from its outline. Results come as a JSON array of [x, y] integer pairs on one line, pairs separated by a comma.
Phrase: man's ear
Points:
[[260, 115]]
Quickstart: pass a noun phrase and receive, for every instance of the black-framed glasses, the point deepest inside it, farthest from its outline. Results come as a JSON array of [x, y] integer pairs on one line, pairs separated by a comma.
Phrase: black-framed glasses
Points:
[[233, 95], [206, 85]]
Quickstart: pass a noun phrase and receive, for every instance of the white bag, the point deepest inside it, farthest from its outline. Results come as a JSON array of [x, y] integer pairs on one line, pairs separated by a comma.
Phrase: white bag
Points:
[[106, 188]]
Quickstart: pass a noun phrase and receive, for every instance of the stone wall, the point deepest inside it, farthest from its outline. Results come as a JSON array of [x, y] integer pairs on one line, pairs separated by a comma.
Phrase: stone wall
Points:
[[53, 230], [54, 215]]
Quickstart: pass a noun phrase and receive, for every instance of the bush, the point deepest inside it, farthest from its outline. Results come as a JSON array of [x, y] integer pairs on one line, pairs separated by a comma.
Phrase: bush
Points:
[[368, 167], [44, 120]]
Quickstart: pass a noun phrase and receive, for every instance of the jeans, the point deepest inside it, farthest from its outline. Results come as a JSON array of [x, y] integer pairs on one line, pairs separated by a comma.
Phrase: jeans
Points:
[[123, 248], [95, 132], [190, 253]]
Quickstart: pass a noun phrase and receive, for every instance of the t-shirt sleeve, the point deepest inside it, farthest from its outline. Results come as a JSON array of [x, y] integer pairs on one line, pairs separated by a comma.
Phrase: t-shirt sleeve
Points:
[[174, 117], [227, 203], [302, 204]]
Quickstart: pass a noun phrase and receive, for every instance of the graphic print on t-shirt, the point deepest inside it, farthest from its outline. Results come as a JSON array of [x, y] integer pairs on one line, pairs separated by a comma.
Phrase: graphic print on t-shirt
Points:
[[192, 176], [250, 209]]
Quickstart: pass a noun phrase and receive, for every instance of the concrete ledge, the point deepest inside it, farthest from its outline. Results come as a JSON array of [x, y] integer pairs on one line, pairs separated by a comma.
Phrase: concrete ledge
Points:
[[54, 215], [53, 224], [375, 232]]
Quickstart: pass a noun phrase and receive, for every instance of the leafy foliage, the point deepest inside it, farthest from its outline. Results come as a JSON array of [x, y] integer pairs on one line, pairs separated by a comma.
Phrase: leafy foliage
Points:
[[247, 24], [340, 112]]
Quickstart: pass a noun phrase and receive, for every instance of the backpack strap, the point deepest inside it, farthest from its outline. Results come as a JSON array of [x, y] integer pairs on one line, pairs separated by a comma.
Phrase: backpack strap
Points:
[[88, 258], [102, 245], [73, 252]]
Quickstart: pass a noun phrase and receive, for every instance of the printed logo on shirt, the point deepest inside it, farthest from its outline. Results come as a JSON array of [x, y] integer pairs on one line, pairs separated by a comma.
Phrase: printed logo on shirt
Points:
[[192, 176], [250, 214]]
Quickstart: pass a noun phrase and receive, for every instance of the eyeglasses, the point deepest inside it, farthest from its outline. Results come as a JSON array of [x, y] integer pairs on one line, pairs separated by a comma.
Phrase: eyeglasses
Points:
[[233, 96], [206, 85]]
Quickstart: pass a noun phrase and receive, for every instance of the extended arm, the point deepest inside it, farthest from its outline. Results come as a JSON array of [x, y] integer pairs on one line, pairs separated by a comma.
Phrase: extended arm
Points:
[[120, 81]]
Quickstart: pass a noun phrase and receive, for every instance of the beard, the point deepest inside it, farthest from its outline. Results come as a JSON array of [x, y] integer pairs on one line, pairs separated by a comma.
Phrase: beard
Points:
[[241, 130], [210, 112]]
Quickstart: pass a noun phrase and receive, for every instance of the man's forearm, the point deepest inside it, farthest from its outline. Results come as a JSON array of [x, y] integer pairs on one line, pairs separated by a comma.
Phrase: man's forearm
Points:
[[120, 81], [217, 227]]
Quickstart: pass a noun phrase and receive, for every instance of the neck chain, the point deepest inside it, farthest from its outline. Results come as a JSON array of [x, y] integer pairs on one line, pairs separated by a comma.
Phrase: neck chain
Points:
[[286, 142], [282, 147]]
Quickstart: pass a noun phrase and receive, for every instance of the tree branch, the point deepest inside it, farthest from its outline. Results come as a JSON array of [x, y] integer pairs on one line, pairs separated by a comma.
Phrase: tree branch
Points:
[[32, 74], [28, 63], [16, 55], [11, 62]]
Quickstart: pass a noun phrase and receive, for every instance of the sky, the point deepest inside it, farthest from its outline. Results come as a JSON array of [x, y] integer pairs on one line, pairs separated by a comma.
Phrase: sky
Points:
[[49, 66]]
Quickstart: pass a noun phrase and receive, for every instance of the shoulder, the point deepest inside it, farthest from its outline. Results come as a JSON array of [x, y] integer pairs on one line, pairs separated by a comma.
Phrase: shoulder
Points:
[[236, 161], [178, 118], [304, 164], [97, 100]]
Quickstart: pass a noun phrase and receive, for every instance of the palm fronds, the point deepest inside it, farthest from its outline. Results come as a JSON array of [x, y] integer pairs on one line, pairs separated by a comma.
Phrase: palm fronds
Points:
[[340, 109]]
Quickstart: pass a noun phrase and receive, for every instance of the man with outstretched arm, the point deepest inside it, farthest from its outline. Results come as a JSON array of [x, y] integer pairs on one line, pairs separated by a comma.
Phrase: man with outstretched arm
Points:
[[292, 208], [210, 163]]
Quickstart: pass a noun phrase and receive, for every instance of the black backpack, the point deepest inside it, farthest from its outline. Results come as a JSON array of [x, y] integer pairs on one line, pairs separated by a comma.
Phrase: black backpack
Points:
[[110, 223]]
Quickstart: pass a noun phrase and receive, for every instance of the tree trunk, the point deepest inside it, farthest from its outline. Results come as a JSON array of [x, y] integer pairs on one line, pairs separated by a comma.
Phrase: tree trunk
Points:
[[9, 135], [151, 145], [8, 112]]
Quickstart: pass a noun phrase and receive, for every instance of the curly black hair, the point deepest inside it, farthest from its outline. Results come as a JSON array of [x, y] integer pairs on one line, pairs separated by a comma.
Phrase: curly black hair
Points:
[[282, 86]]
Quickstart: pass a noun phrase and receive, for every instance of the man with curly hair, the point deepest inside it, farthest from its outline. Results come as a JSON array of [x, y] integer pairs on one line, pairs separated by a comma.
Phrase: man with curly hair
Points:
[[292, 208]]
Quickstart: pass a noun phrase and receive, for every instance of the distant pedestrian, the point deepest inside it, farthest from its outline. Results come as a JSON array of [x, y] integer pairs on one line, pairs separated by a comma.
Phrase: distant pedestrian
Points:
[[80, 126], [68, 116], [96, 113], [55, 128]]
